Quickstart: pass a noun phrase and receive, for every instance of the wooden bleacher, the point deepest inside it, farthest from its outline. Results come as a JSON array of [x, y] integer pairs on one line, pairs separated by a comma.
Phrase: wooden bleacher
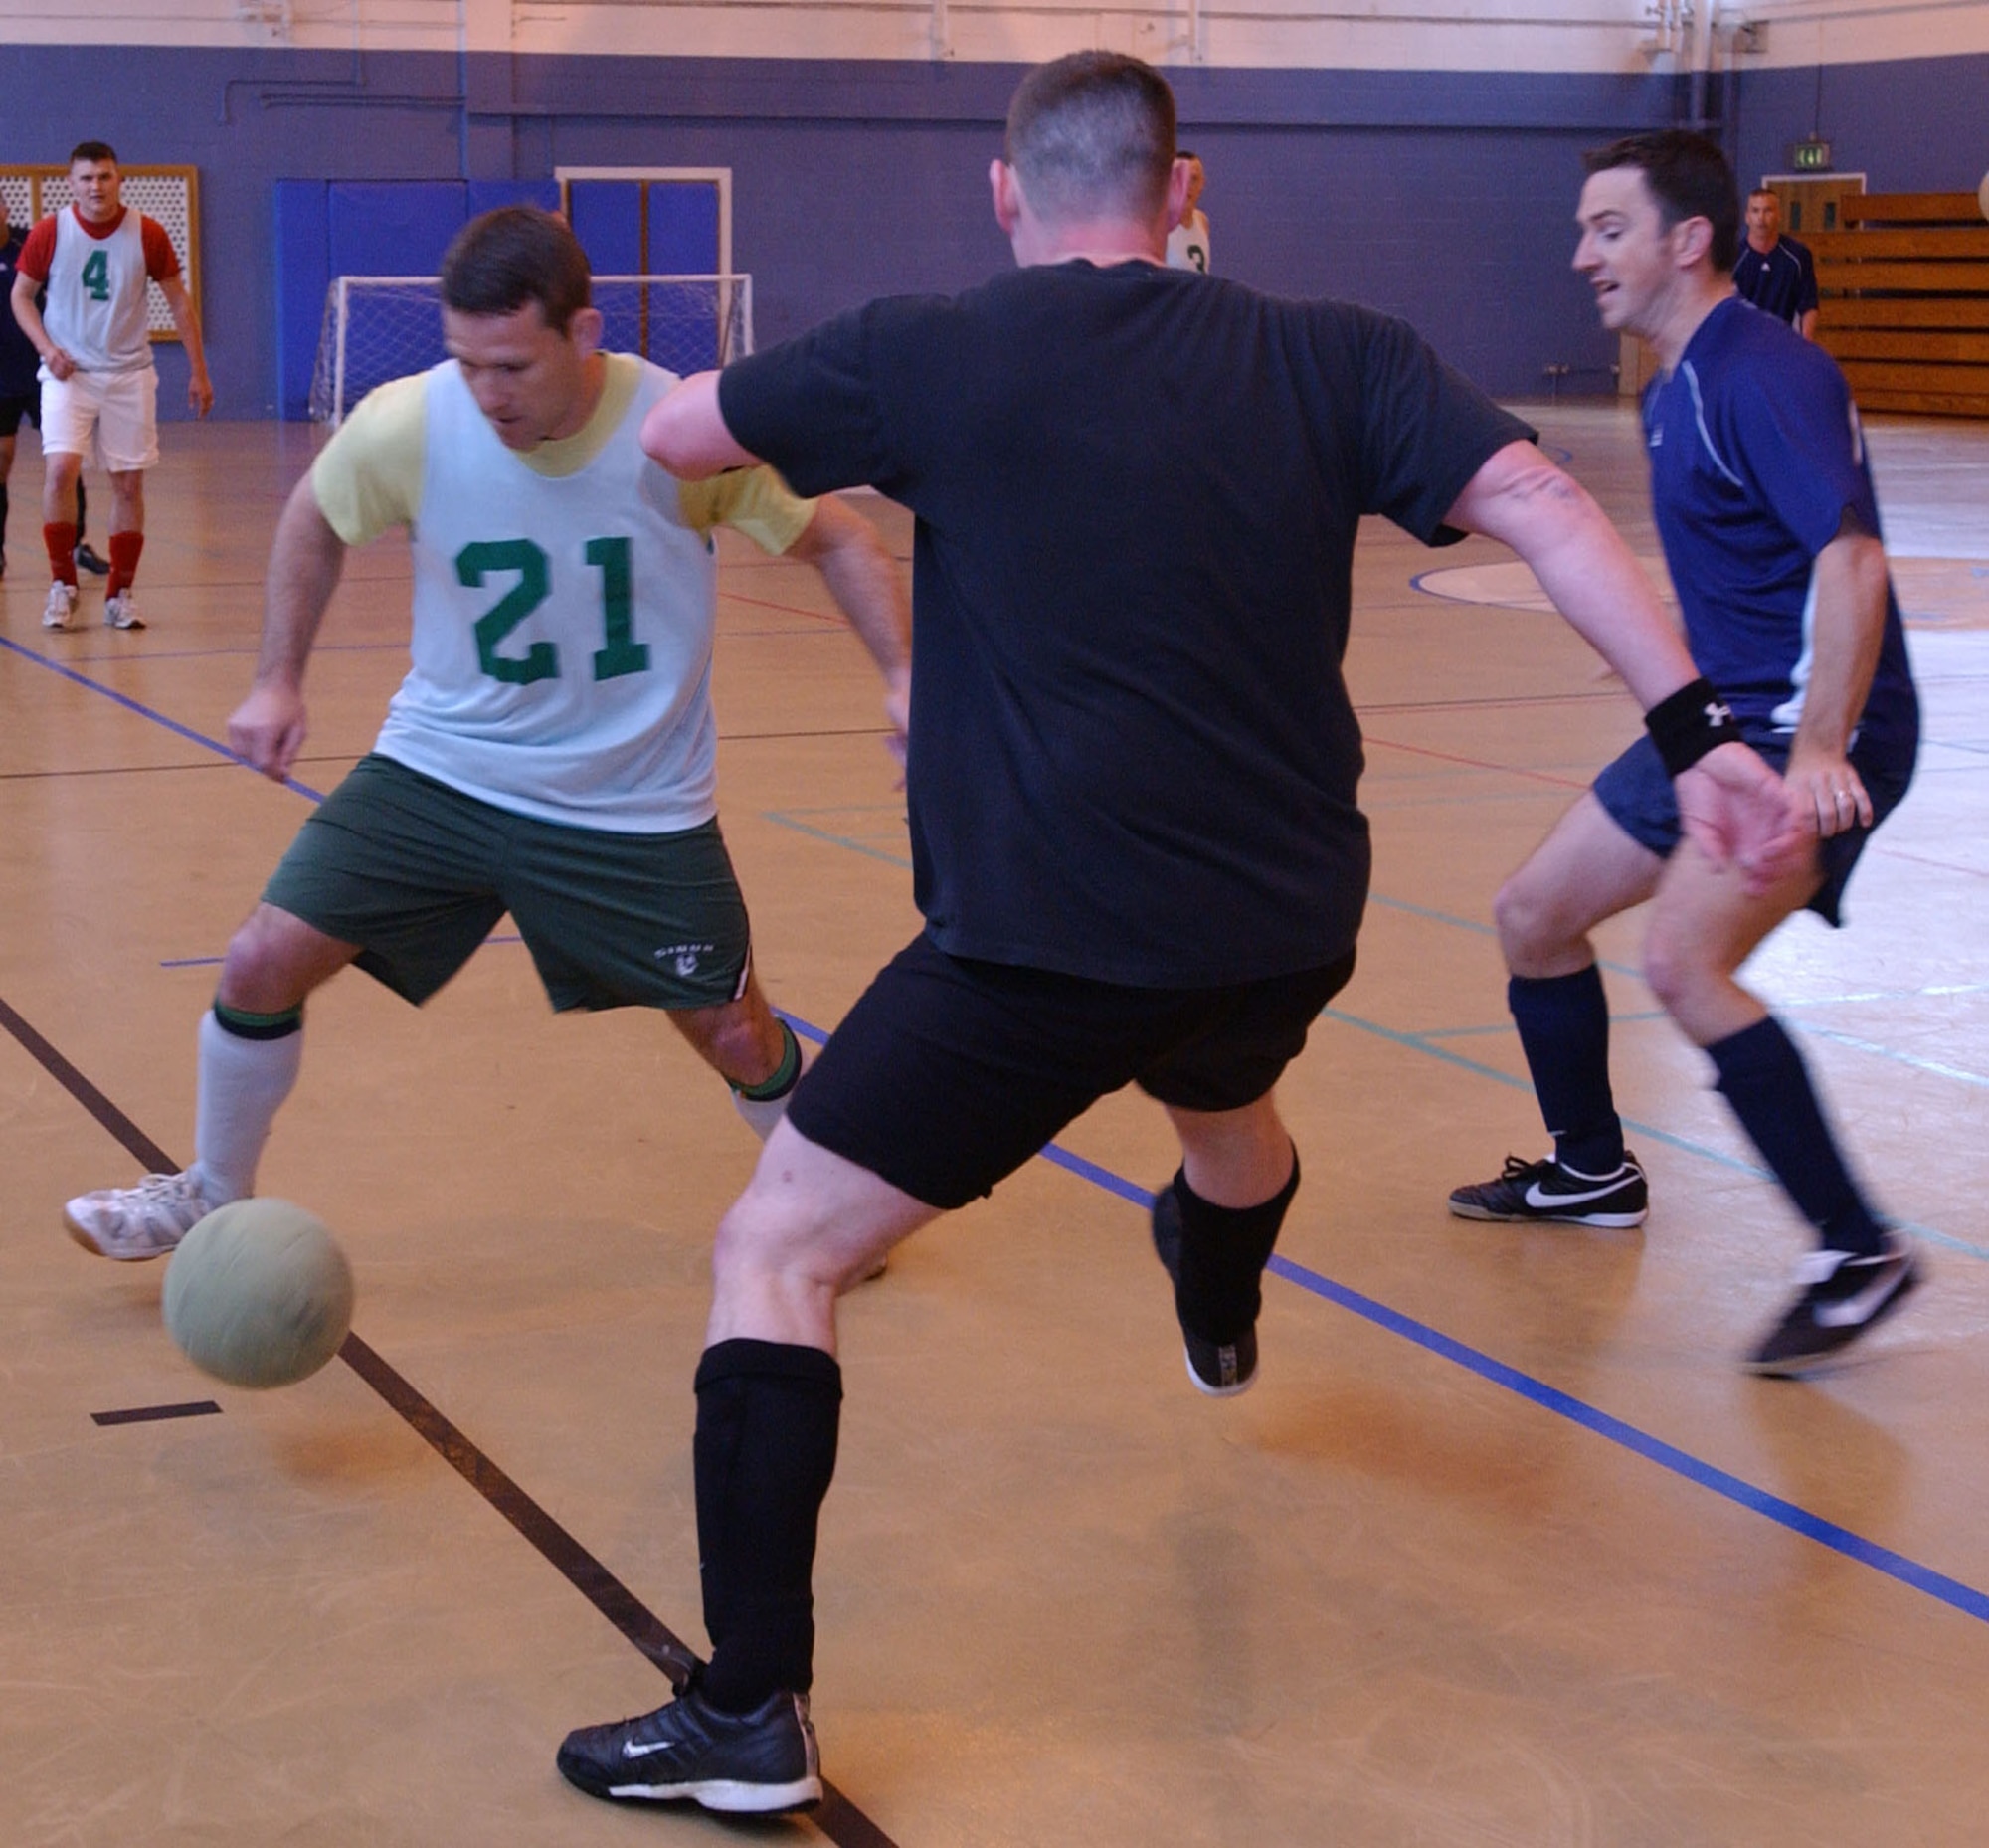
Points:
[[1906, 302]]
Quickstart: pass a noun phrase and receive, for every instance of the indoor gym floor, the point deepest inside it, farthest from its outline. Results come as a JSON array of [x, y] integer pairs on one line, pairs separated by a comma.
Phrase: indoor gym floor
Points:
[[1503, 1549]]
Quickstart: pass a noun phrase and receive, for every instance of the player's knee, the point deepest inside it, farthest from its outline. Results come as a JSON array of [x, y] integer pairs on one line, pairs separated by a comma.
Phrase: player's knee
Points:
[[761, 1233], [1674, 973], [263, 971], [1527, 919]]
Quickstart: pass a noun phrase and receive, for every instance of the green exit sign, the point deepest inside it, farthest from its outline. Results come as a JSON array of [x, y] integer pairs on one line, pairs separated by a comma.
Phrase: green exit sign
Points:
[[1811, 156]]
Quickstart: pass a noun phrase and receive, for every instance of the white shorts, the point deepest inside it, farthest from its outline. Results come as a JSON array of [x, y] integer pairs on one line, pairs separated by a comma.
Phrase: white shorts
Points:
[[113, 416]]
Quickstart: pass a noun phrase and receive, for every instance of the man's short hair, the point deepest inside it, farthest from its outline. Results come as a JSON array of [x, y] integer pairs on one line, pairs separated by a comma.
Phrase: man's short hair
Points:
[[92, 151], [1689, 178], [1093, 136], [518, 253]]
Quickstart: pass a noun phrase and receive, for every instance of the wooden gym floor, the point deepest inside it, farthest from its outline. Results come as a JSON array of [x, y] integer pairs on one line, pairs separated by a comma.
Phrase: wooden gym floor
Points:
[[1503, 1549]]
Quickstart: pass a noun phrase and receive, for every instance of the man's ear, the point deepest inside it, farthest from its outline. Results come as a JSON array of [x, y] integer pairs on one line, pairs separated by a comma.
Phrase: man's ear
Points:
[[1178, 178], [1008, 195], [1692, 241], [585, 331]]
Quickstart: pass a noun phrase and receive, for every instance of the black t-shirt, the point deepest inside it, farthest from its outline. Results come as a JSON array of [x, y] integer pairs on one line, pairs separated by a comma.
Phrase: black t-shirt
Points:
[[1133, 756], [18, 358]]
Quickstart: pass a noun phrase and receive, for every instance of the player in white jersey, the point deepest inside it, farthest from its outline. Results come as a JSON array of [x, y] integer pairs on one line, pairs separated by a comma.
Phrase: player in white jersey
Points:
[[550, 752], [1187, 242], [98, 388]]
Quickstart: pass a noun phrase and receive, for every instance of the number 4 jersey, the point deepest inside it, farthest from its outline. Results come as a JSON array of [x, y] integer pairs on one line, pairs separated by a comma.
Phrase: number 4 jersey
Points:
[[95, 278], [564, 599]]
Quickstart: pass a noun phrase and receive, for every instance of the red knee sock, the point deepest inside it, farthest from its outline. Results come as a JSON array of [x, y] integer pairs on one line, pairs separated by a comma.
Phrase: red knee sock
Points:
[[124, 550], [60, 537]]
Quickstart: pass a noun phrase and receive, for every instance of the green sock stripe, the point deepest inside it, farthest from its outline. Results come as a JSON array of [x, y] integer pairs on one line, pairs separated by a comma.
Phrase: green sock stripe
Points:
[[783, 1080], [246, 1026]]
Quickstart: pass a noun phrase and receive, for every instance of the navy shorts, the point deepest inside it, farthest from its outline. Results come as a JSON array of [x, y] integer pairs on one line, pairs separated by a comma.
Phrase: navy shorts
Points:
[[14, 406], [949, 1074], [1637, 793]]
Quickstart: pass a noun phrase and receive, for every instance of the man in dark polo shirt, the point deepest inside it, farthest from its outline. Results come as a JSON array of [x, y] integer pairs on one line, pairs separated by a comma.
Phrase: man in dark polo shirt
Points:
[[1131, 786], [1774, 272]]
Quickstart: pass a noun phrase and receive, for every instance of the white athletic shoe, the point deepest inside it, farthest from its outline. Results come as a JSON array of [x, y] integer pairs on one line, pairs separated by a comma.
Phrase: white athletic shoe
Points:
[[61, 611], [121, 612], [143, 1222]]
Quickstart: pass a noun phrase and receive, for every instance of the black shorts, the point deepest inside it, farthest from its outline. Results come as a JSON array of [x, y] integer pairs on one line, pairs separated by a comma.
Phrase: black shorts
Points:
[[16, 406], [949, 1074], [1637, 793]]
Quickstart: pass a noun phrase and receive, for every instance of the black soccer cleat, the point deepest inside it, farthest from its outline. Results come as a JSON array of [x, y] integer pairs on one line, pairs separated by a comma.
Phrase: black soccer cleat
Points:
[[1221, 1368], [1841, 1297], [738, 1764], [1546, 1189]]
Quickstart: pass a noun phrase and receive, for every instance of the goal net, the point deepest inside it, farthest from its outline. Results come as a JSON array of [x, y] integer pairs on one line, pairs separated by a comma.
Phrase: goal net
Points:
[[380, 328]]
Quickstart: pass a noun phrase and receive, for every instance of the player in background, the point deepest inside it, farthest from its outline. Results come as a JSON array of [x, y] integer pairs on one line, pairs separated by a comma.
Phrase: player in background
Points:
[[99, 384]]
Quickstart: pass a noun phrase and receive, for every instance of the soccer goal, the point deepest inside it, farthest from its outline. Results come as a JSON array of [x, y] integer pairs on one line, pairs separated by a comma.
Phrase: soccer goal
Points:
[[380, 328]]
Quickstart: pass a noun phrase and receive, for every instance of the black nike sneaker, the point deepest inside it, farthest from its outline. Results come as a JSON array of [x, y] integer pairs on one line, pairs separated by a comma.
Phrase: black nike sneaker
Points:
[[1841, 1297], [739, 1764], [1547, 1191]]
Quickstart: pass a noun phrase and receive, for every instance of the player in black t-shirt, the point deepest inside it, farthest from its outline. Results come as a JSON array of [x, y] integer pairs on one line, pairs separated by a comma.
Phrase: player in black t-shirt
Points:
[[20, 395], [1131, 786]]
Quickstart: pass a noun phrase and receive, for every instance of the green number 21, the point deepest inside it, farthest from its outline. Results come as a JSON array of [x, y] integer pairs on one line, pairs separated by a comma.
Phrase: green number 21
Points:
[[618, 654]]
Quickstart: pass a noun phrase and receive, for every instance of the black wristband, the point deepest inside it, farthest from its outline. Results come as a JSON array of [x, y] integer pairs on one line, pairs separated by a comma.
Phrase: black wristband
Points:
[[1689, 723]]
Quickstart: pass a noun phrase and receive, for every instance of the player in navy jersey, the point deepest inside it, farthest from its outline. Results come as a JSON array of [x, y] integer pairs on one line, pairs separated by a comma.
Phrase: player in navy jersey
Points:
[[1774, 272], [1765, 507]]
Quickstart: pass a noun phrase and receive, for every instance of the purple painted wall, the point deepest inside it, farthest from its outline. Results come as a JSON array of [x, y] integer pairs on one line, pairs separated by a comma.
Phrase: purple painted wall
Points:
[[1442, 197]]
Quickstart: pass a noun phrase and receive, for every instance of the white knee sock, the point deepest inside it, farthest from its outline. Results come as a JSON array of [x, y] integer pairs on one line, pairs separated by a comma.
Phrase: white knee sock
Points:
[[243, 1084]]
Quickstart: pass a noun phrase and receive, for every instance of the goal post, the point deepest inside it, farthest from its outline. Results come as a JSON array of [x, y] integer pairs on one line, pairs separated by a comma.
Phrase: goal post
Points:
[[381, 327]]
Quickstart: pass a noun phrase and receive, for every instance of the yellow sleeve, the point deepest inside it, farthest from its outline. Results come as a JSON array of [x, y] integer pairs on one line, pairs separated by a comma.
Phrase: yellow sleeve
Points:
[[369, 476], [755, 501]]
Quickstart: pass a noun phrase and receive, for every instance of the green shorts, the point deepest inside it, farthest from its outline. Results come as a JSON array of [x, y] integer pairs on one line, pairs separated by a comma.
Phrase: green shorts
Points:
[[417, 874]]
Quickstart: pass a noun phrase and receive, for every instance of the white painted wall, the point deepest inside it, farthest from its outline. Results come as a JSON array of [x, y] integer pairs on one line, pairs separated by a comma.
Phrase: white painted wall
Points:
[[1598, 36]]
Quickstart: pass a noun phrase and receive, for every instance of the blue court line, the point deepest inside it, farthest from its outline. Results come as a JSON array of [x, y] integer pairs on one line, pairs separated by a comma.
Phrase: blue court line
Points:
[[1910, 1572], [143, 711], [1951, 1591]]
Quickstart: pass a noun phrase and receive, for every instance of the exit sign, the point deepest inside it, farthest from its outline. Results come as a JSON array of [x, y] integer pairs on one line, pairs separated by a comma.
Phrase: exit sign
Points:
[[1811, 156]]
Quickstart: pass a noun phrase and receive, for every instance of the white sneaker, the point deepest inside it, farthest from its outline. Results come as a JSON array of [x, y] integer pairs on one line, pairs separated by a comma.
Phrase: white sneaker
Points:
[[143, 1222], [121, 612], [61, 611]]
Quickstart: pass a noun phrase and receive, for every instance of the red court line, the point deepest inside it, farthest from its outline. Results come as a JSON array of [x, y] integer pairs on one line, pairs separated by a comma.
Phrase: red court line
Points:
[[786, 609], [1477, 763]]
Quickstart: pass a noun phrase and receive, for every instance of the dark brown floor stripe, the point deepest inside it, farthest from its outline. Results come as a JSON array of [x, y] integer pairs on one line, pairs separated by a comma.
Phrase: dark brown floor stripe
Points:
[[837, 1818]]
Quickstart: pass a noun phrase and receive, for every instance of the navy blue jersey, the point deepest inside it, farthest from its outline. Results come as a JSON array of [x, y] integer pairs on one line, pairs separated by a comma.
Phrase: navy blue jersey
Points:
[[18, 358], [1756, 457], [1781, 282]]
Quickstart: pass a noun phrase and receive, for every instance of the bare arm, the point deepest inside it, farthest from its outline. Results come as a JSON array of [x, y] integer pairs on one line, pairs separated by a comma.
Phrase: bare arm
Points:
[[1523, 500], [268, 729], [29, 317], [1850, 625], [869, 589], [1734, 805], [1806, 323], [200, 393], [686, 431]]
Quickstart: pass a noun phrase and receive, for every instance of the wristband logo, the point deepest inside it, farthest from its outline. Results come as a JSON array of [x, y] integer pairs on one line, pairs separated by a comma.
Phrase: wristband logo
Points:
[[1718, 714]]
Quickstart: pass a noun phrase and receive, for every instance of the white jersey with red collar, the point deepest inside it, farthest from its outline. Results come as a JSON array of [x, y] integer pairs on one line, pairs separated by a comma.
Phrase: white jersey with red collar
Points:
[[95, 311]]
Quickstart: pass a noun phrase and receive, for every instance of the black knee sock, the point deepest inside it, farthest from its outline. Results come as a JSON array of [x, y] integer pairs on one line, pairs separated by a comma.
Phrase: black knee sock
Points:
[[1563, 1024], [1765, 1079], [1223, 1251], [764, 1454]]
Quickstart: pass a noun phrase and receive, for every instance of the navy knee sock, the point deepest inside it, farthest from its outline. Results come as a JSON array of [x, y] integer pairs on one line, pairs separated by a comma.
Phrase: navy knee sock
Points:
[[1223, 1251], [1765, 1079], [1563, 1024], [765, 1450]]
